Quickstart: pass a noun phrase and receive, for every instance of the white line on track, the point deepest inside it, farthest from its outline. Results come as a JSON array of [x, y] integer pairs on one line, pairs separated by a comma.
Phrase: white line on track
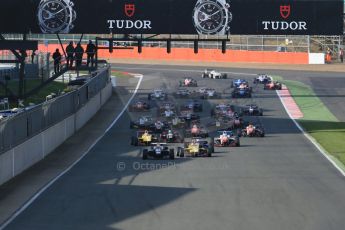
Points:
[[176, 70], [43, 189], [311, 139]]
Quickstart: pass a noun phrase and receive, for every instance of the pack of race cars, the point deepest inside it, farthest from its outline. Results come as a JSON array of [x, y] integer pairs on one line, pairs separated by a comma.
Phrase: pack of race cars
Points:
[[179, 130]]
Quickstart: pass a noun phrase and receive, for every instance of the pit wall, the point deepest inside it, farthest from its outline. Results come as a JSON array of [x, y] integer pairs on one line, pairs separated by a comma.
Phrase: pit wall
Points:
[[204, 55], [23, 156]]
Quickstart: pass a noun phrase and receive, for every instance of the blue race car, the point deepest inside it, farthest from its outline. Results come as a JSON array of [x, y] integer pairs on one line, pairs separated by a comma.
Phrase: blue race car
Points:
[[241, 93], [237, 82]]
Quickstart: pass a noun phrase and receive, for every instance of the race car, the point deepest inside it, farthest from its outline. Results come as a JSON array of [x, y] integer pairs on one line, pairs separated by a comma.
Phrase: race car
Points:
[[253, 131], [143, 138], [158, 151], [194, 105], [241, 93], [144, 122], [188, 82], [157, 94], [237, 82], [251, 110], [189, 115], [167, 110], [223, 110], [213, 74], [196, 130], [171, 136], [227, 139], [273, 85], [209, 93], [262, 79], [139, 106], [183, 93], [196, 148]]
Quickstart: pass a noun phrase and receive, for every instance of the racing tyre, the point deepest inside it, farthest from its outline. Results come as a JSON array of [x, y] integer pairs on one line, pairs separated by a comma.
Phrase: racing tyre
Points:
[[238, 144], [145, 153], [134, 141], [149, 97]]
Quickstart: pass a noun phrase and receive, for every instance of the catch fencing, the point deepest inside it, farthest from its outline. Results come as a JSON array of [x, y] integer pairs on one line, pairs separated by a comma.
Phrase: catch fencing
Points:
[[24, 125]]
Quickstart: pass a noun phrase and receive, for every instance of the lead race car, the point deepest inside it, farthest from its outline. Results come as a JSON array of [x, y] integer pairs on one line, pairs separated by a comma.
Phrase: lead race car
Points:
[[158, 151], [188, 82], [213, 74], [227, 139], [157, 94], [196, 147]]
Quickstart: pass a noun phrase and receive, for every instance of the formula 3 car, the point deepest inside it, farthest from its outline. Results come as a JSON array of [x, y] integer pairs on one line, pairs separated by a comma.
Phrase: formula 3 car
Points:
[[196, 148], [157, 94], [209, 93], [253, 131], [188, 82], [213, 74], [251, 110], [158, 151], [227, 139], [223, 110], [196, 130], [139, 106], [143, 138], [262, 79], [241, 93], [183, 93], [171, 136], [274, 85], [144, 122], [194, 105], [237, 82]]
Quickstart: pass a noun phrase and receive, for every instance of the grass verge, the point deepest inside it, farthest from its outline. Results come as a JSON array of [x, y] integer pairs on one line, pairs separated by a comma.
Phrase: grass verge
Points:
[[53, 87], [318, 121]]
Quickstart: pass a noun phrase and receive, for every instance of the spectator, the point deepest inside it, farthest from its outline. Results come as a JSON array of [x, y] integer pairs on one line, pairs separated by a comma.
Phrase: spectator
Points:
[[57, 61], [70, 54], [79, 52], [90, 51], [33, 54], [341, 55]]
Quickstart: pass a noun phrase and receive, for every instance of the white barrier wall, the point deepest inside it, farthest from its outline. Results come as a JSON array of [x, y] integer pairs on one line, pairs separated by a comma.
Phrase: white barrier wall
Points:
[[19, 158], [317, 58]]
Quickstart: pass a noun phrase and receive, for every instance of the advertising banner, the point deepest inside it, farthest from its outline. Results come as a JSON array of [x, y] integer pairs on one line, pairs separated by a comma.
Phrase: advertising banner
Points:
[[210, 17]]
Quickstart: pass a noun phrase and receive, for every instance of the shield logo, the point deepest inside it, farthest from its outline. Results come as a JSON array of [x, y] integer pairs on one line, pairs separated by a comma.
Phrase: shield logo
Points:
[[285, 11], [129, 10]]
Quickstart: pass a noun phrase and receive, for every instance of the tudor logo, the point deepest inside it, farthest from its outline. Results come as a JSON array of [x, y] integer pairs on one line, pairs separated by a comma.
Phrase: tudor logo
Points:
[[285, 11], [129, 10]]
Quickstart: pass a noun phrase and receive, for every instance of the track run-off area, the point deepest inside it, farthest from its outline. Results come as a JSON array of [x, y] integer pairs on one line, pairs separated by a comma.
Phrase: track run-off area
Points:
[[280, 181]]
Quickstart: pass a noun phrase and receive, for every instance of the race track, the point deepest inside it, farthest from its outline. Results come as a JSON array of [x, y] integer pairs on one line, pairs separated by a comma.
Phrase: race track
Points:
[[277, 182]]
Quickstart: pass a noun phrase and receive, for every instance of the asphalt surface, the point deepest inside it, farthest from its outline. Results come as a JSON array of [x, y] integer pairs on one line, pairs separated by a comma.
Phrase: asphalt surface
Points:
[[277, 182]]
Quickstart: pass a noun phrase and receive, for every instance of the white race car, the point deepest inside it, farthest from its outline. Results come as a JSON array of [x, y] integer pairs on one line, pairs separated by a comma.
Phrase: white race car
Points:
[[213, 74]]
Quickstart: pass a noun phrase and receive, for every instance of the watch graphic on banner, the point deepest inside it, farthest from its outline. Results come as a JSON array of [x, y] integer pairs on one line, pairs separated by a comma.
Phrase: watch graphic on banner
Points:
[[56, 16], [212, 17]]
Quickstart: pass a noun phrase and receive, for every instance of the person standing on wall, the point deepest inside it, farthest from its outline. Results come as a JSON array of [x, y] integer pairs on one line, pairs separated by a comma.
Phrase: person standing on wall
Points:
[[70, 55], [341, 55], [79, 52], [57, 61], [90, 51]]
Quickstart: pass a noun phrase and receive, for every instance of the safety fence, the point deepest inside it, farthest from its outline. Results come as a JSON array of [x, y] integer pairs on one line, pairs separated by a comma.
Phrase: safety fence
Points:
[[28, 123]]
